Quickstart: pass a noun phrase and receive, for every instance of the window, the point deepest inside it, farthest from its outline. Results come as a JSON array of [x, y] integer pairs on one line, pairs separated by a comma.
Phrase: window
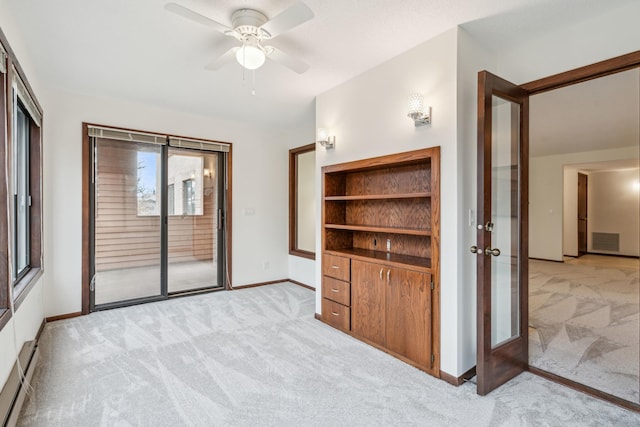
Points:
[[21, 196], [189, 196], [24, 189]]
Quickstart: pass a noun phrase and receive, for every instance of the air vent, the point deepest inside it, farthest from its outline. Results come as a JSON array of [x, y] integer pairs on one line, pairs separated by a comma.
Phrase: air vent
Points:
[[606, 242]]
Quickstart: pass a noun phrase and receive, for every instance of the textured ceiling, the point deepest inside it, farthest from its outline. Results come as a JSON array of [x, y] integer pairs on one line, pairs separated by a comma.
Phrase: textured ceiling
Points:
[[135, 50]]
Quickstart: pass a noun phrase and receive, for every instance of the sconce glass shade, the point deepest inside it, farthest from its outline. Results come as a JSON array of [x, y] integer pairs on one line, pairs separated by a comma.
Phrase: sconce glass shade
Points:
[[250, 57], [322, 135], [323, 138], [416, 110], [415, 104]]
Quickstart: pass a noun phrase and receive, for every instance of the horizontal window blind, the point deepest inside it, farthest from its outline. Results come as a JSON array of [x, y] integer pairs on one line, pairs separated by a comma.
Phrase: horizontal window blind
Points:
[[125, 135], [20, 91], [198, 145]]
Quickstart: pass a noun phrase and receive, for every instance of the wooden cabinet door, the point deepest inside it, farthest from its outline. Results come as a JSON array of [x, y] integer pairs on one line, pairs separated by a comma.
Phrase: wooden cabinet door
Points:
[[368, 281], [408, 327]]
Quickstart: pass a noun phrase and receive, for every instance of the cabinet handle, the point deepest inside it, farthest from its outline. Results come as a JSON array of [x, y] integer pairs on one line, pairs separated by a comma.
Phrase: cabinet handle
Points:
[[335, 314], [381, 273], [334, 290], [388, 275], [335, 266]]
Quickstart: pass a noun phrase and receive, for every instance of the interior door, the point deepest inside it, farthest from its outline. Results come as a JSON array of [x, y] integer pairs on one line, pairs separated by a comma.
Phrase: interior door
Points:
[[582, 213], [502, 249]]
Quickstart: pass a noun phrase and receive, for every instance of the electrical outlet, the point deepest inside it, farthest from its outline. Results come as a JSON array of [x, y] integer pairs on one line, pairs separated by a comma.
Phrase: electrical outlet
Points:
[[388, 245]]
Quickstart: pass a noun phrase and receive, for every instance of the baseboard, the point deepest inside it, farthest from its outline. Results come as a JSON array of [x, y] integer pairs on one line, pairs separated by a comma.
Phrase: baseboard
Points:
[[457, 381], [64, 316], [14, 391], [272, 282], [255, 285], [585, 389], [295, 282], [544, 259]]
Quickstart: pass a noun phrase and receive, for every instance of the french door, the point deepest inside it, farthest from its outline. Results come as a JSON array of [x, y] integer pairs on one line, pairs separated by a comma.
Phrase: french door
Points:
[[157, 217], [502, 250]]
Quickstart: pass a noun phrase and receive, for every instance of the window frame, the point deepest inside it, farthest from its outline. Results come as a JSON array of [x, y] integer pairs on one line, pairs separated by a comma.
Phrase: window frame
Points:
[[16, 236], [293, 201], [5, 311], [16, 86]]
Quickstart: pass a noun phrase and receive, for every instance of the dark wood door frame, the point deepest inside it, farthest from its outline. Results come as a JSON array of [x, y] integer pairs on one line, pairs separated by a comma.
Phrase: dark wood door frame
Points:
[[86, 212], [578, 75]]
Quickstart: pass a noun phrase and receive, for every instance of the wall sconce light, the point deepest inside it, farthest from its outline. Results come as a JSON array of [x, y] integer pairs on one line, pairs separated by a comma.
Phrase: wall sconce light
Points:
[[417, 111], [207, 173], [325, 140]]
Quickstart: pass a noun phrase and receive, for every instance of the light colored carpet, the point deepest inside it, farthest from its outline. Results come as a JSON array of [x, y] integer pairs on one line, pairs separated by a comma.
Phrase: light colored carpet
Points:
[[585, 324], [257, 357]]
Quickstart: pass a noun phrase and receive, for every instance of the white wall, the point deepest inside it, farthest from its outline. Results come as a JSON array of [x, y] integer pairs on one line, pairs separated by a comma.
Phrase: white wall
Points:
[[24, 324], [368, 116], [613, 204], [546, 188], [260, 182], [472, 58]]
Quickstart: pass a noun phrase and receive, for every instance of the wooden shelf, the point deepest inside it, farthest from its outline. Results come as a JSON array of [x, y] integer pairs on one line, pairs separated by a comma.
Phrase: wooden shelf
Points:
[[423, 195], [416, 263], [376, 229]]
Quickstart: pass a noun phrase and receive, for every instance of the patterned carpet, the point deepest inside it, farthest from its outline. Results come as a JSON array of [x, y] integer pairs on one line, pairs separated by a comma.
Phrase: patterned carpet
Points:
[[584, 323], [257, 357]]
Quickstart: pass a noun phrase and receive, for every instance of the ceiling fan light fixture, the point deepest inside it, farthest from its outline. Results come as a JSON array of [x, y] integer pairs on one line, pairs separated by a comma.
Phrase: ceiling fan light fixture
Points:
[[250, 57]]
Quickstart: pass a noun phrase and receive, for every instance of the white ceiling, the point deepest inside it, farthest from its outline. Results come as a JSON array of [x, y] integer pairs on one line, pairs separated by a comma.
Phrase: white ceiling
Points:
[[137, 51]]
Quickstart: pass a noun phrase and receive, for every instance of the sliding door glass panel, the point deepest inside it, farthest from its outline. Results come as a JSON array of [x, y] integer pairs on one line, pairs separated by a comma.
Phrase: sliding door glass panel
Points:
[[193, 206], [127, 221]]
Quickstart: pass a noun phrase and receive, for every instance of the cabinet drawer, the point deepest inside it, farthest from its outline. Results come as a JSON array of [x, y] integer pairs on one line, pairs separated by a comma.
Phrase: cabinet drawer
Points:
[[337, 267], [336, 290], [337, 315]]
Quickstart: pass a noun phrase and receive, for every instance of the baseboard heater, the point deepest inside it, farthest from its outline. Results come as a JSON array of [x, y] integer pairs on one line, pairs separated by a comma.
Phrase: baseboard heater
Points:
[[14, 391]]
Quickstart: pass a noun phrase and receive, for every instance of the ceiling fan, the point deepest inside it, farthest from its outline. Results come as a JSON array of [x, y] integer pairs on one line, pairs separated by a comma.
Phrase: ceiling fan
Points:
[[252, 28]]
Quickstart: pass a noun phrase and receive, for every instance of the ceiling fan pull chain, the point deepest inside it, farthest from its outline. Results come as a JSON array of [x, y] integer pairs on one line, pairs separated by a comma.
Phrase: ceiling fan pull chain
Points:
[[253, 90]]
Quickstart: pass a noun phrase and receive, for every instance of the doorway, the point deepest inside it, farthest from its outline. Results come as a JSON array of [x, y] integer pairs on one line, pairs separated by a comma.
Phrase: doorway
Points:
[[540, 231], [157, 209], [583, 184]]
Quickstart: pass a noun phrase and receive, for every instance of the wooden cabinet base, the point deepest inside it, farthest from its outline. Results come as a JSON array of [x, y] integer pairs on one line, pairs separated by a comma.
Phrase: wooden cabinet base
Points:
[[336, 315]]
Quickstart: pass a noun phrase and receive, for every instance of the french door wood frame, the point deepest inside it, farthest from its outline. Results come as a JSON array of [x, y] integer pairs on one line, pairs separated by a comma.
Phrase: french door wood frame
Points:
[[87, 225], [600, 69]]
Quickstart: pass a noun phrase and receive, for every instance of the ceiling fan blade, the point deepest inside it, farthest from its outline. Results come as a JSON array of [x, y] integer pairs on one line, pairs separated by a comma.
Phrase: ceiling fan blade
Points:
[[288, 19], [192, 15], [223, 59], [288, 61]]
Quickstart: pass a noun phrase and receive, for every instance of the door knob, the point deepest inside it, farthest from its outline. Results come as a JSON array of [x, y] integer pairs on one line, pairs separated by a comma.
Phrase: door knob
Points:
[[474, 249], [488, 251]]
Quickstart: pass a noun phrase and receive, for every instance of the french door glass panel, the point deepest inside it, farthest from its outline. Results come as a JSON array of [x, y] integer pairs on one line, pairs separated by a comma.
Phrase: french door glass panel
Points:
[[505, 283], [192, 185], [127, 225]]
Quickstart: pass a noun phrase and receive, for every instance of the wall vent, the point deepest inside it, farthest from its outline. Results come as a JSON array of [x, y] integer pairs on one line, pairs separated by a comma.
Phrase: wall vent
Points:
[[606, 242]]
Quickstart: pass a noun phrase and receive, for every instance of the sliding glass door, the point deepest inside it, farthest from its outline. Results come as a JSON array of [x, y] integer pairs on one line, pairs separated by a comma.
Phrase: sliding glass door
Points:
[[157, 217], [127, 227], [193, 220]]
